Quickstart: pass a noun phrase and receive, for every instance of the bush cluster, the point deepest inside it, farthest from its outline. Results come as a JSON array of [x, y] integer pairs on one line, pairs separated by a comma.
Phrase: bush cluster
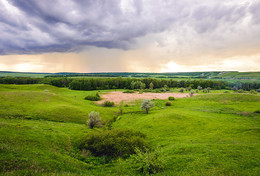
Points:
[[147, 162], [234, 88], [253, 92], [206, 90], [191, 93], [113, 143], [199, 88], [95, 97], [108, 104], [257, 111], [168, 103], [240, 91], [171, 98], [188, 88], [129, 91]]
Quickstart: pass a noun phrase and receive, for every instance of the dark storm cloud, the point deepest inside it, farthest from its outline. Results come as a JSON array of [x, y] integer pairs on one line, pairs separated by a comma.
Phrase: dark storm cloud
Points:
[[34, 26], [208, 18]]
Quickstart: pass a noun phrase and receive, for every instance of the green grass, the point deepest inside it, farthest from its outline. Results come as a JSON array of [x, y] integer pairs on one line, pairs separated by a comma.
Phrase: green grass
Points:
[[204, 135], [48, 103], [213, 133], [40, 146]]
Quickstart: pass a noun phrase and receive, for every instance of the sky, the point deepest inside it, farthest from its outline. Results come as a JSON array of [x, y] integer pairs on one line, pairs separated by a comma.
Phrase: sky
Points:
[[129, 35]]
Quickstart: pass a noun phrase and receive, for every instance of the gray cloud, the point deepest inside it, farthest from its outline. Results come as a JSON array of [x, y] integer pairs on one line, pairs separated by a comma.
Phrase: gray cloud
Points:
[[33, 26]]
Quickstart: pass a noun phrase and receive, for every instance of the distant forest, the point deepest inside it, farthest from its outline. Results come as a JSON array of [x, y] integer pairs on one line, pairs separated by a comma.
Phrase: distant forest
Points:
[[128, 83]]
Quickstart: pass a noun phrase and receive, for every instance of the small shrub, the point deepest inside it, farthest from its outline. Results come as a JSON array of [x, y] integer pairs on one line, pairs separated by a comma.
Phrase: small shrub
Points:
[[199, 88], [197, 91], [258, 90], [156, 91], [95, 97], [147, 162], [253, 92], [240, 91], [191, 93], [147, 104], [171, 98], [129, 91], [205, 90], [113, 143], [142, 86], [151, 85], [234, 88], [166, 88], [163, 90], [181, 90], [226, 91], [109, 103], [147, 90], [257, 111], [93, 120], [168, 103]]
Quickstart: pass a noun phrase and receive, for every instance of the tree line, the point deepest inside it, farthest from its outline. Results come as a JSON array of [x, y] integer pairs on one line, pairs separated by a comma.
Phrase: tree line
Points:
[[126, 83]]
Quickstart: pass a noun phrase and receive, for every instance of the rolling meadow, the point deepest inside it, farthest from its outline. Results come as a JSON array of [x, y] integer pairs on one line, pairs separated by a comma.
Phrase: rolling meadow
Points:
[[42, 126]]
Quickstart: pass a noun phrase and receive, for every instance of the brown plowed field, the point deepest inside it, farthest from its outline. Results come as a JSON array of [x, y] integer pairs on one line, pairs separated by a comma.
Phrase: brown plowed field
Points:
[[128, 97]]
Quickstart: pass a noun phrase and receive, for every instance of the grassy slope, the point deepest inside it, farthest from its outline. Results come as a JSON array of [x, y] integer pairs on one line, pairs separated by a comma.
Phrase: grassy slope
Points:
[[47, 102], [205, 135], [29, 143], [242, 75], [29, 146], [210, 134], [21, 74]]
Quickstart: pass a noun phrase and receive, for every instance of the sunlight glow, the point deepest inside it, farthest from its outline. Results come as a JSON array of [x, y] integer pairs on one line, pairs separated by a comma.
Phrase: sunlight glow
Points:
[[28, 66], [172, 67]]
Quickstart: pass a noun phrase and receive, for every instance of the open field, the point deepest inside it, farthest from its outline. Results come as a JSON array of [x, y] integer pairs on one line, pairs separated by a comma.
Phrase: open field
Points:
[[215, 133], [117, 96]]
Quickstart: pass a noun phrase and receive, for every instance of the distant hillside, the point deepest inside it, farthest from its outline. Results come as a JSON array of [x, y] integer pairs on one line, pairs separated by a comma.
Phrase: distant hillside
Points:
[[238, 75], [23, 74], [231, 75]]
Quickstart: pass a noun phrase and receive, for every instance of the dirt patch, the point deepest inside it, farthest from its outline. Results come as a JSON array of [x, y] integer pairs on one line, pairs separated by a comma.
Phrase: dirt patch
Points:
[[128, 97]]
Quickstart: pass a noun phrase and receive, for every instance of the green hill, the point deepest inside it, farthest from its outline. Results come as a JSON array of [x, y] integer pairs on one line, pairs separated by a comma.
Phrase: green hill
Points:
[[209, 134]]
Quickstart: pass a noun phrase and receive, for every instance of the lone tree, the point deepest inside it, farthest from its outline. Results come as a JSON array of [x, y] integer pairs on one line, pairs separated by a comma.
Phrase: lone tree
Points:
[[147, 104], [191, 93], [132, 85], [151, 85], [93, 120], [199, 88], [142, 86]]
